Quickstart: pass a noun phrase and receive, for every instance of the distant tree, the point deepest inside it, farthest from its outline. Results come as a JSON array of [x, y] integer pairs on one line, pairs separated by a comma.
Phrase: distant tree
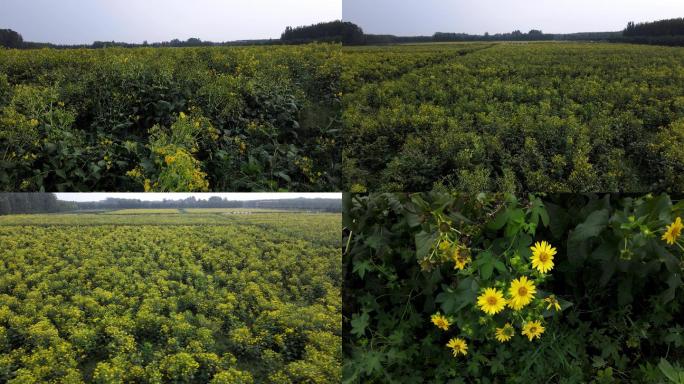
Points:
[[352, 34], [215, 202], [10, 39], [193, 42], [669, 27], [335, 31]]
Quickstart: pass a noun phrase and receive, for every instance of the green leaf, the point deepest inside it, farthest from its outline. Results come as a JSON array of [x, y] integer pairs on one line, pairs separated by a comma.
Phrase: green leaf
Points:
[[673, 374], [486, 260], [424, 241], [544, 214], [453, 301], [674, 282], [362, 267], [577, 240], [487, 270], [592, 226], [606, 253], [499, 220], [372, 362], [284, 176], [558, 219], [516, 220], [413, 219], [359, 324], [375, 241]]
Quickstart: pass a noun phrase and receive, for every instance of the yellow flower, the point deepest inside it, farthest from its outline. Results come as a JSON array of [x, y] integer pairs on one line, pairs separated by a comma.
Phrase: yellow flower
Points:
[[444, 245], [542, 256], [522, 292], [168, 159], [460, 259], [458, 345], [506, 333], [533, 329], [553, 302], [673, 231], [491, 301], [440, 321], [182, 115]]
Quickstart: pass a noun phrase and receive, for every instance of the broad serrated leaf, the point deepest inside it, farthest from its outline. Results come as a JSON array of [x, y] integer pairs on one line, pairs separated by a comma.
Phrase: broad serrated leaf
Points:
[[361, 267], [372, 362], [359, 324]]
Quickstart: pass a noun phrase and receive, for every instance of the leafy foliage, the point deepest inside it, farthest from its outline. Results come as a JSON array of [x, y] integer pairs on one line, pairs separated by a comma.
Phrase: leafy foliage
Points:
[[513, 117], [238, 118], [170, 298], [616, 279]]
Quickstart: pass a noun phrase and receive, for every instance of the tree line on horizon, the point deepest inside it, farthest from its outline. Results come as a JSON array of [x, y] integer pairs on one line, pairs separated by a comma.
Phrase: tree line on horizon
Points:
[[669, 27], [662, 32], [667, 32], [319, 204], [333, 32], [12, 39], [17, 203]]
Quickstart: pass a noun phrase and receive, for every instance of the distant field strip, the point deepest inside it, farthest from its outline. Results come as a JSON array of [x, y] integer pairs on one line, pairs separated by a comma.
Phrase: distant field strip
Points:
[[232, 210], [141, 211]]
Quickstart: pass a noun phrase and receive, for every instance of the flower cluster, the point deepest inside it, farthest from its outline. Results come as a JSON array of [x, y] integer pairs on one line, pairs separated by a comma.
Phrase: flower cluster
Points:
[[517, 296]]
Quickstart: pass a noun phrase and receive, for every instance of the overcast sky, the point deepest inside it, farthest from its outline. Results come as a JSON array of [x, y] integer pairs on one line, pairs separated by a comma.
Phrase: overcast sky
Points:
[[179, 196], [425, 17], [84, 21]]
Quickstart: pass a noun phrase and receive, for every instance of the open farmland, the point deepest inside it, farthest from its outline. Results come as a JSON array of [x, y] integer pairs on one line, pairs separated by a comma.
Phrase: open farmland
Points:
[[177, 119], [157, 298], [514, 116]]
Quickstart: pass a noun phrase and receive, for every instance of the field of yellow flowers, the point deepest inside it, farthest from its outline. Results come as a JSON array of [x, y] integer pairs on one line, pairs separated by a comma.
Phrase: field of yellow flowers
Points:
[[170, 297]]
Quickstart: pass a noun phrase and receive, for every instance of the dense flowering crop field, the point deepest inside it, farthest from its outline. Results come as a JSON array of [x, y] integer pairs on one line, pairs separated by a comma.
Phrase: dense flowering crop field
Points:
[[445, 287], [563, 117], [178, 119], [170, 298]]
